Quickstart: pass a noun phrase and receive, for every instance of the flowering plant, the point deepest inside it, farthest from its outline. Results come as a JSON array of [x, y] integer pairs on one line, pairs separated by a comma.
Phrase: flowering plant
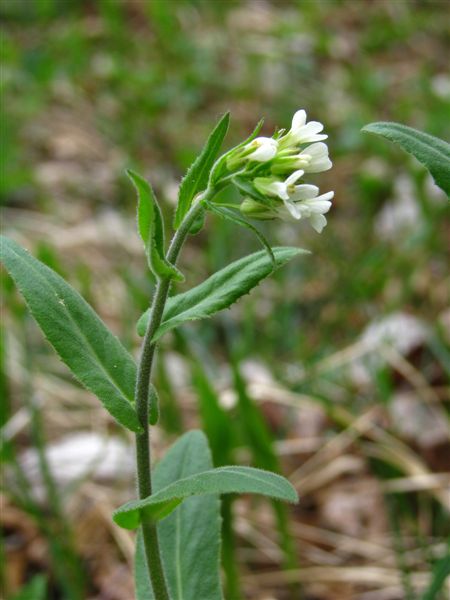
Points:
[[268, 173], [177, 511]]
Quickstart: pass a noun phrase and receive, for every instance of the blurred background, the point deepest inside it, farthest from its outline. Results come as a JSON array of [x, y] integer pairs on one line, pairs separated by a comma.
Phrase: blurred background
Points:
[[333, 372]]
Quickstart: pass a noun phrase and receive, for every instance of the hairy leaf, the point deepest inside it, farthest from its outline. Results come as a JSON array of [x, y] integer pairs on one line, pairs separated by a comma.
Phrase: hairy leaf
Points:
[[196, 179], [151, 229], [94, 355], [431, 151], [220, 290], [190, 536], [224, 480]]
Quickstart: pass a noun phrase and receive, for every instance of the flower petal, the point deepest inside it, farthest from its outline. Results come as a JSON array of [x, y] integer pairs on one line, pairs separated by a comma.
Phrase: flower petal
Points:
[[316, 150], [295, 176], [319, 166], [294, 211], [305, 192], [278, 188], [299, 119], [318, 207], [318, 222], [265, 149]]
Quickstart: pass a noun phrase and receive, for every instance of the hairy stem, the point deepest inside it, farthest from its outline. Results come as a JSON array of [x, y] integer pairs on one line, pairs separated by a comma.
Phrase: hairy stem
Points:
[[143, 456]]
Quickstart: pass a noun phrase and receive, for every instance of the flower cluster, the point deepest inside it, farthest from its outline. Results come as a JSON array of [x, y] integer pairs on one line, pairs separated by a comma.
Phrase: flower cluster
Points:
[[274, 166]]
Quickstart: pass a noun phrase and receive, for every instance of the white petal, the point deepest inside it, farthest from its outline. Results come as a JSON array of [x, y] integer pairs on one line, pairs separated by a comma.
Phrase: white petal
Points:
[[319, 165], [299, 119], [311, 128], [304, 192], [295, 176], [318, 222], [316, 138], [292, 208], [265, 149], [326, 196], [317, 149], [278, 188], [318, 207]]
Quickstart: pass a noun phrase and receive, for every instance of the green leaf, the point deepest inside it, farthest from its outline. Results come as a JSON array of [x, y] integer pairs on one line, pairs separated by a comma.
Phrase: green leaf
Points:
[[151, 229], [260, 442], [431, 151], [223, 480], [230, 215], [196, 179], [36, 589], [220, 290], [94, 355], [440, 573], [194, 527], [142, 584]]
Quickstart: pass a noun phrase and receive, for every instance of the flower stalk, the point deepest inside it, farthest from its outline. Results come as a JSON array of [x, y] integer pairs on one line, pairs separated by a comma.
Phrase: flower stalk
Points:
[[142, 395]]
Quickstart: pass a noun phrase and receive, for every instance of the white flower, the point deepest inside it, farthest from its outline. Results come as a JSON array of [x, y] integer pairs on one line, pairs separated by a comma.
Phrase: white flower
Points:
[[302, 132], [309, 205], [314, 158], [271, 186], [264, 149], [300, 201]]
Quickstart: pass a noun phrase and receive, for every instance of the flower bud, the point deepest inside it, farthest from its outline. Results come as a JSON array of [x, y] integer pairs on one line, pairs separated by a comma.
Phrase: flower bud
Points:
[[255, 210]]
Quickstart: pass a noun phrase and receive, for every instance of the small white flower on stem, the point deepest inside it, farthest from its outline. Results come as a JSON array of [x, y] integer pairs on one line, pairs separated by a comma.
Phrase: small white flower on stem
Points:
[[270, 186], [314, 158], [264, 149], [309, 205], [302, 132]]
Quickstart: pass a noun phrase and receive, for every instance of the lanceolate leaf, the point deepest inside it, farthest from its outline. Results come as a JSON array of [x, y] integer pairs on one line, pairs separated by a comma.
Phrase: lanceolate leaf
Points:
[[220, 290], [196, 179], [190, 536], [94, 355], [224, 480], [151, 229], [431, 151]]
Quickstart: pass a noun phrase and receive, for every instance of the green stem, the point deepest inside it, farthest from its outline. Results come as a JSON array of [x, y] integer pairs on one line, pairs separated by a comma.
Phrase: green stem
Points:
[[143, 456]]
